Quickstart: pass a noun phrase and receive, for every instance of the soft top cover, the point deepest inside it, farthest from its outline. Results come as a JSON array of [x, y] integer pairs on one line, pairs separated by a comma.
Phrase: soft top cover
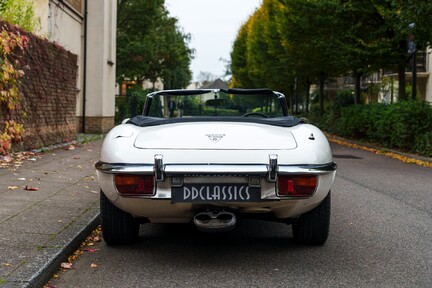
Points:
[[262, 91]]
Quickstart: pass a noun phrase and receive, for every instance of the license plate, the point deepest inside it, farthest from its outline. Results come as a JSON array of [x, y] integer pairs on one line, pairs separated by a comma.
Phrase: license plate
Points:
[[196, 193]]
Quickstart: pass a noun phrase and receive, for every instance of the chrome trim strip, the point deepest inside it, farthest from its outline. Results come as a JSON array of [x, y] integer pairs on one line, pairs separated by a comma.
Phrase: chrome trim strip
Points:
[[115, 168], [317, 169], [252, 169]]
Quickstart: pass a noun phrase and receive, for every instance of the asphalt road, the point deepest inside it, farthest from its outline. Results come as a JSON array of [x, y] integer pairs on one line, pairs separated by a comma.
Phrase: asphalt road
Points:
[[381, 236]]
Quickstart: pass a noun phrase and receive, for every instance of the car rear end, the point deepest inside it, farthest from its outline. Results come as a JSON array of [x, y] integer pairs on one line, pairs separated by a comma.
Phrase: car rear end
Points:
[[212, 170]]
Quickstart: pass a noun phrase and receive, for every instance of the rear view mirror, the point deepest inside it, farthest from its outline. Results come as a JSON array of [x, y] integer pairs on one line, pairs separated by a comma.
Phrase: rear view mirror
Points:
[[216, 102]]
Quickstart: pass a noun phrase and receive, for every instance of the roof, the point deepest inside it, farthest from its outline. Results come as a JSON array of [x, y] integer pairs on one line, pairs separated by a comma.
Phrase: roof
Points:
[[217, 84]]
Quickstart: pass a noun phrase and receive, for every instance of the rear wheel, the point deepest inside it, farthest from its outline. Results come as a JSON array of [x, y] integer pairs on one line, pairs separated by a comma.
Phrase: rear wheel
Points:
[[312, 228], [118, 227]]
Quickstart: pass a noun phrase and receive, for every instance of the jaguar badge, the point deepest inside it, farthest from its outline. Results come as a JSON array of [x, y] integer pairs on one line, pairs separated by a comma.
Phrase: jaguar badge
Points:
[[215, 137]]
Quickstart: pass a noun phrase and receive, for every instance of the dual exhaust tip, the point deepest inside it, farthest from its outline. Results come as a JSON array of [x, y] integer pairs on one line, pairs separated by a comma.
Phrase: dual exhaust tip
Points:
[[220, 221]]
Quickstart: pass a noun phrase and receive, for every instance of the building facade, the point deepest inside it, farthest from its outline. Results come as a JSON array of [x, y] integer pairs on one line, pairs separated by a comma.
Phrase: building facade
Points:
[[87, 28]]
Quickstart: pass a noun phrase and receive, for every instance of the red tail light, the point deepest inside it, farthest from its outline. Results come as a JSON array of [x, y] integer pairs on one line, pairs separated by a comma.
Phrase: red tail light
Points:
[[297, 185], [134, 184]]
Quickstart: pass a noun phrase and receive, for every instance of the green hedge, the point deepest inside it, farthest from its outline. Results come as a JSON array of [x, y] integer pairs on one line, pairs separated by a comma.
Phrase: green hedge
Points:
[[130, 105], [405, 125]]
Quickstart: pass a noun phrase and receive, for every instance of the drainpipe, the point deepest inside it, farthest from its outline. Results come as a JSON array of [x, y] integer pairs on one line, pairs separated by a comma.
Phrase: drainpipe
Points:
[[84, 69]]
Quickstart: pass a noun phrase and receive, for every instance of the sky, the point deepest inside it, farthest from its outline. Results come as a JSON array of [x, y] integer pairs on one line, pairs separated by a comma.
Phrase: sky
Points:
[[213, 25]]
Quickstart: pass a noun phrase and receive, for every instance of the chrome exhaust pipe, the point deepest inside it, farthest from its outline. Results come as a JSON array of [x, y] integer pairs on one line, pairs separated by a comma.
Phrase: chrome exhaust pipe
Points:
[[215, 221]]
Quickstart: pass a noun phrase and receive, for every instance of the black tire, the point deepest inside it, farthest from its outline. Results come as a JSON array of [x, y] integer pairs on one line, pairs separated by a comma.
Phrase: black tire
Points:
[[118, 227], [312, 228]]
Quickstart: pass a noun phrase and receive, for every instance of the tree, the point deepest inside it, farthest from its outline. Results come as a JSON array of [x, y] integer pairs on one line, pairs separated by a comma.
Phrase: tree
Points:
[[327, 38], [312, 38], [239, 61], [150, 45], [20, 13]]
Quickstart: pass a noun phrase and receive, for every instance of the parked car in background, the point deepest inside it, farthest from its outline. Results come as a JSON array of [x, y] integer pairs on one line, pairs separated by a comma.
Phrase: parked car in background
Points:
[[226, 154]]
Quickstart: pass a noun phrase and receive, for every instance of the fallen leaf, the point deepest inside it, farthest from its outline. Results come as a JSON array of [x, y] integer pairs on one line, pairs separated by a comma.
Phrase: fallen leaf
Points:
[[91, 250], [22, 179], [13, 187], [6, 264], [93, 265], [96, 239], [66, 265], [30, 188], [7, 159]]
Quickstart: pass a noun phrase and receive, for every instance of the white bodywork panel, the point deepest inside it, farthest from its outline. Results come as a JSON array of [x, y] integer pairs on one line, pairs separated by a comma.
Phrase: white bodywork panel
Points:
[[128, 144]]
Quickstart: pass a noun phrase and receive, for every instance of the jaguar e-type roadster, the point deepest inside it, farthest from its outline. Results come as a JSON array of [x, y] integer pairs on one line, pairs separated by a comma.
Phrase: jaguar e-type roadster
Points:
[[210, 157]]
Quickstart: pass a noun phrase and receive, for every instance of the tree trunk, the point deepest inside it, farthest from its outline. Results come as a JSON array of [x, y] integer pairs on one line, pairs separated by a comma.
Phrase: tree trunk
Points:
[[307, 85], [291, 98], [402, 81], [296, 96], [321, 94], [357, 77]]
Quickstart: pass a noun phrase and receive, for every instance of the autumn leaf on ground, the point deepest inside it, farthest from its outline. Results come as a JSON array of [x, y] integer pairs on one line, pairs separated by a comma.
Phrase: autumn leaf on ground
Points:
[[7, 159], [30, 188], [93, 265], [13, 187], [6, 264], [66, 265], [70, 147], [91, 250]]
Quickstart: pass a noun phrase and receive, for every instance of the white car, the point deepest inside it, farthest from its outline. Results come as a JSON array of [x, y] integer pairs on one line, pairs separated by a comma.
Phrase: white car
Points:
[[210, 156]]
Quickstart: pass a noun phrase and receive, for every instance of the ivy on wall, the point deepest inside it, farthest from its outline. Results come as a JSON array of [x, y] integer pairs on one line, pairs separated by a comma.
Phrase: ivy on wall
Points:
[[12, 47], [38, 91]]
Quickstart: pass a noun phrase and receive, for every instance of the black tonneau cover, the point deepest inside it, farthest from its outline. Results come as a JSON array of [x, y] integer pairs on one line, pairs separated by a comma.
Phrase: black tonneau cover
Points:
[[144, 121]]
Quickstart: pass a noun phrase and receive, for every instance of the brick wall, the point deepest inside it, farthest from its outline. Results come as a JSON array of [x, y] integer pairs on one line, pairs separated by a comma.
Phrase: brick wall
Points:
[[96, 125], [48, 107]]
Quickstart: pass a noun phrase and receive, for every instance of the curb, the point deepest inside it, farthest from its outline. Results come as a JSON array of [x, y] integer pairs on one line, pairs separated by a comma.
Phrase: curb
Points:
[[80, 229], [395, 154]]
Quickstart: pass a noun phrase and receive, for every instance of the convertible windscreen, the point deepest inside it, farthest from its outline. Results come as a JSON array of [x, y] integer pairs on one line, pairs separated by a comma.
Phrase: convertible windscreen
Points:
[[214, 103]]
